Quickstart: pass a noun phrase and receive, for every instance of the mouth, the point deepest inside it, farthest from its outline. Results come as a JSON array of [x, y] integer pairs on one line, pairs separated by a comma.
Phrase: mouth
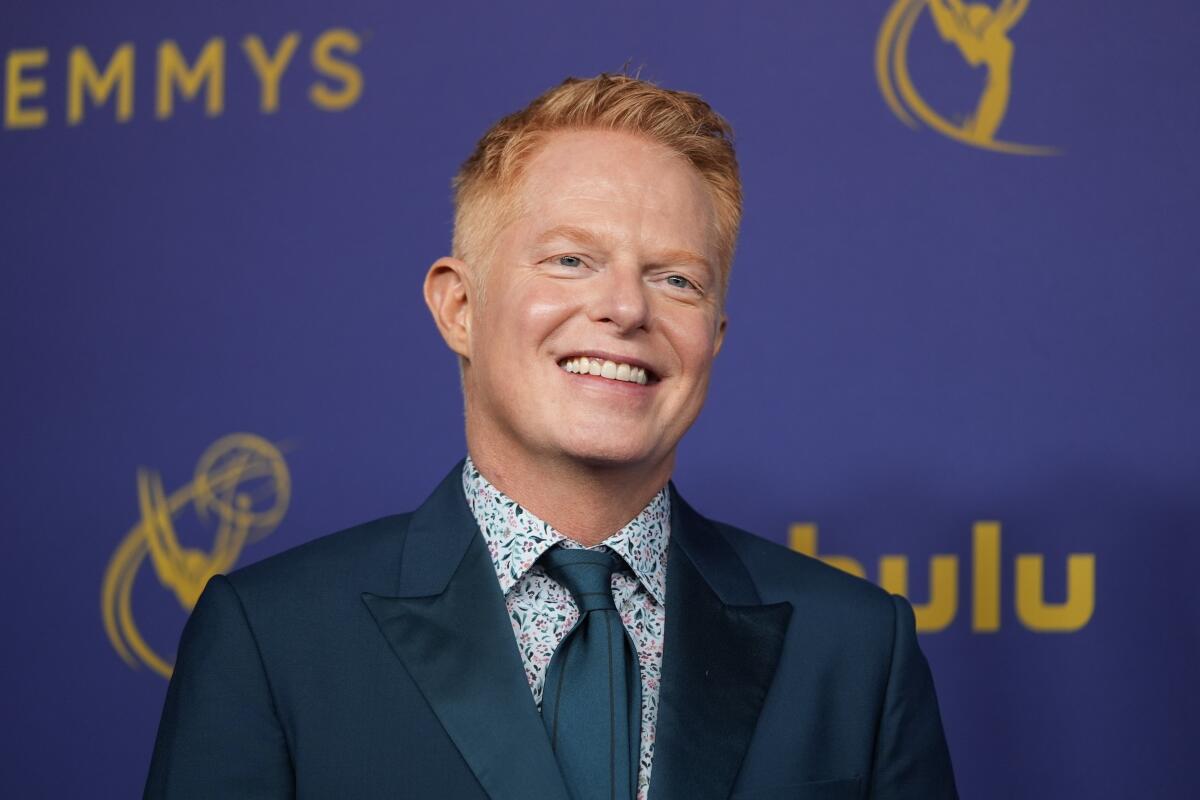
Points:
[[614, 369]]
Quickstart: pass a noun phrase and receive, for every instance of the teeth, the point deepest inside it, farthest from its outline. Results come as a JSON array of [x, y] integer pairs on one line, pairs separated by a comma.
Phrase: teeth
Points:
[[612, 370]]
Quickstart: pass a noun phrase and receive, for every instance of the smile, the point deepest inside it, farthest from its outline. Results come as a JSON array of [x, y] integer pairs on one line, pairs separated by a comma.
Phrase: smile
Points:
[[613, 370]]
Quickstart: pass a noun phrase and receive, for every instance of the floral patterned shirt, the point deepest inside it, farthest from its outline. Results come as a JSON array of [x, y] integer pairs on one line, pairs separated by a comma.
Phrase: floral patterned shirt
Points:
[[543, 611]]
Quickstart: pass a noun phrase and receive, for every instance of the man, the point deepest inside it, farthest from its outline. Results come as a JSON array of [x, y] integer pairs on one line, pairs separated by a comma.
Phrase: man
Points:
[[555, 621]]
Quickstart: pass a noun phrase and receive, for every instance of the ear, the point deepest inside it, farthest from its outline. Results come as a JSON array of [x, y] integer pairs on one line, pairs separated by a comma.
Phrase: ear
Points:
[[449, 294], [720, 334]]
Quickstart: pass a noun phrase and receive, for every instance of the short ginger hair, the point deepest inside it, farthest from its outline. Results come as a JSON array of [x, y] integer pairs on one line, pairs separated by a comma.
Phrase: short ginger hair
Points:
[[681, 121]]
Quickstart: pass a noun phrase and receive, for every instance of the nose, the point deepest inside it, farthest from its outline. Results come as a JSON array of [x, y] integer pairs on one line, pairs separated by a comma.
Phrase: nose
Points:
[[621, 299]]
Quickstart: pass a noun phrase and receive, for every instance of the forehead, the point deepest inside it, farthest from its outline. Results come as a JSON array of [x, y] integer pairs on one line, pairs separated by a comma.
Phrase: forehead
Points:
[[622, 185]]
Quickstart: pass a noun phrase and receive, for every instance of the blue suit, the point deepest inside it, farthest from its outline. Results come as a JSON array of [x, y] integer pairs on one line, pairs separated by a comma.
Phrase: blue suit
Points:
[[379, 662]]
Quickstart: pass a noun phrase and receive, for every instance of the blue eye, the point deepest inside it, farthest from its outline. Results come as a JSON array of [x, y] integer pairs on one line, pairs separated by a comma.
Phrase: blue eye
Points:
[[570, 261], [680, 282]]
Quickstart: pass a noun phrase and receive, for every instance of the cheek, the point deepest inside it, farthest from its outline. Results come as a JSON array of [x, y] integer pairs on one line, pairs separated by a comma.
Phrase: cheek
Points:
[[543, 310], [517, 321], [694, 340]]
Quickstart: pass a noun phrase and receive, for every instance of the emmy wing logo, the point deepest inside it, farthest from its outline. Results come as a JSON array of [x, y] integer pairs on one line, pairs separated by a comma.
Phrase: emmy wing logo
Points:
[[980, 33], [241, 486]]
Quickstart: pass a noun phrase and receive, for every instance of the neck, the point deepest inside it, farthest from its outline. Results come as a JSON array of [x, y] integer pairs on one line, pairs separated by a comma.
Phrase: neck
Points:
[[584, 502]]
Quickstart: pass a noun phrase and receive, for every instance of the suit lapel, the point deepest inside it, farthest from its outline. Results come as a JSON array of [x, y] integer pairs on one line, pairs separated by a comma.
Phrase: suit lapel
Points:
[[449, 627], [722, 646]]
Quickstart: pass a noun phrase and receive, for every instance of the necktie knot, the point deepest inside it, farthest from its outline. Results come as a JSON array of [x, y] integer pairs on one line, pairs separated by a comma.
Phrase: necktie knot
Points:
[[586, 574]]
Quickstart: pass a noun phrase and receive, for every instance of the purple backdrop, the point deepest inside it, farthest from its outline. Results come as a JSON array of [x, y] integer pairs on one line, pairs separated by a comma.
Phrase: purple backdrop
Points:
[[925, 333]]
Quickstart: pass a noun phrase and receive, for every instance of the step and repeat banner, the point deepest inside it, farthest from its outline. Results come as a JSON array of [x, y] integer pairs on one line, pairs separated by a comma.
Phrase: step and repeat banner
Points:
[[961, 362]]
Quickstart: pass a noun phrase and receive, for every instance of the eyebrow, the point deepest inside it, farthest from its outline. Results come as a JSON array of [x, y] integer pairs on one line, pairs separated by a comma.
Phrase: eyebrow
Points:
[[573, 232], [589, 238], [671, 257]]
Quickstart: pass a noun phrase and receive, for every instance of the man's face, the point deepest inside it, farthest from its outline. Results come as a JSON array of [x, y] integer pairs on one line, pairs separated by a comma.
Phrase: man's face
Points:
[[610, 267]]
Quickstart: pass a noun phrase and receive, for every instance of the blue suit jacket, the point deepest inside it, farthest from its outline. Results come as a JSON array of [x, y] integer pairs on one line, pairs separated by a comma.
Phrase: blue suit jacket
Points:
[[379, 662]]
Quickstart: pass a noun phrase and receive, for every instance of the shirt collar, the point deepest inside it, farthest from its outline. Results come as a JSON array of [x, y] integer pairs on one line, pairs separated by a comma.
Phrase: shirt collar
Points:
[[516, 538]]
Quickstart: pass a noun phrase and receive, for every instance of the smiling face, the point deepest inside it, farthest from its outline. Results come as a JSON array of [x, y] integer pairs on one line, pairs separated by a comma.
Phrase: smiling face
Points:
[[602, 309]]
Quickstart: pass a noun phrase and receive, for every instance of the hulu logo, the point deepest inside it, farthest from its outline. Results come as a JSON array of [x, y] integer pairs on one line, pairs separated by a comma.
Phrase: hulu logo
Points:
[[942, 606]]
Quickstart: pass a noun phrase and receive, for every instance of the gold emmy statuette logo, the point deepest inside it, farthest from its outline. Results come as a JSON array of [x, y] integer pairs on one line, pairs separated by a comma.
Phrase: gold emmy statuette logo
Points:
[[242, 484], [980, 32]]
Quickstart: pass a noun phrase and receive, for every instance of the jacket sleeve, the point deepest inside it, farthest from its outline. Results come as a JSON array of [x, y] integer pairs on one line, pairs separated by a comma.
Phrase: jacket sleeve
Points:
[[912, 761], [219, 735]]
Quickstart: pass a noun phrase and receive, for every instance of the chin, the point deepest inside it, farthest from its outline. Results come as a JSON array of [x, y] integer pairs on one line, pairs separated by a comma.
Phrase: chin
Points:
[[613, 453]]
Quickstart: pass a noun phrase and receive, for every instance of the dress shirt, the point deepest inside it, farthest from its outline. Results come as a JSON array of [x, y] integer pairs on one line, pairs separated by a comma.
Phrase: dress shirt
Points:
[[542, 611]]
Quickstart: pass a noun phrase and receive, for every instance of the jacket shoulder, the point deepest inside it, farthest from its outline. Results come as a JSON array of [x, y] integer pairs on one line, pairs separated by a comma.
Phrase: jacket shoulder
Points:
[[364, 557], [780, 573]]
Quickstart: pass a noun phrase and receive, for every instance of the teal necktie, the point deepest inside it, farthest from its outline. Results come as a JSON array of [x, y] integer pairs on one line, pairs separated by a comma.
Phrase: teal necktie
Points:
[[592, 701]]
